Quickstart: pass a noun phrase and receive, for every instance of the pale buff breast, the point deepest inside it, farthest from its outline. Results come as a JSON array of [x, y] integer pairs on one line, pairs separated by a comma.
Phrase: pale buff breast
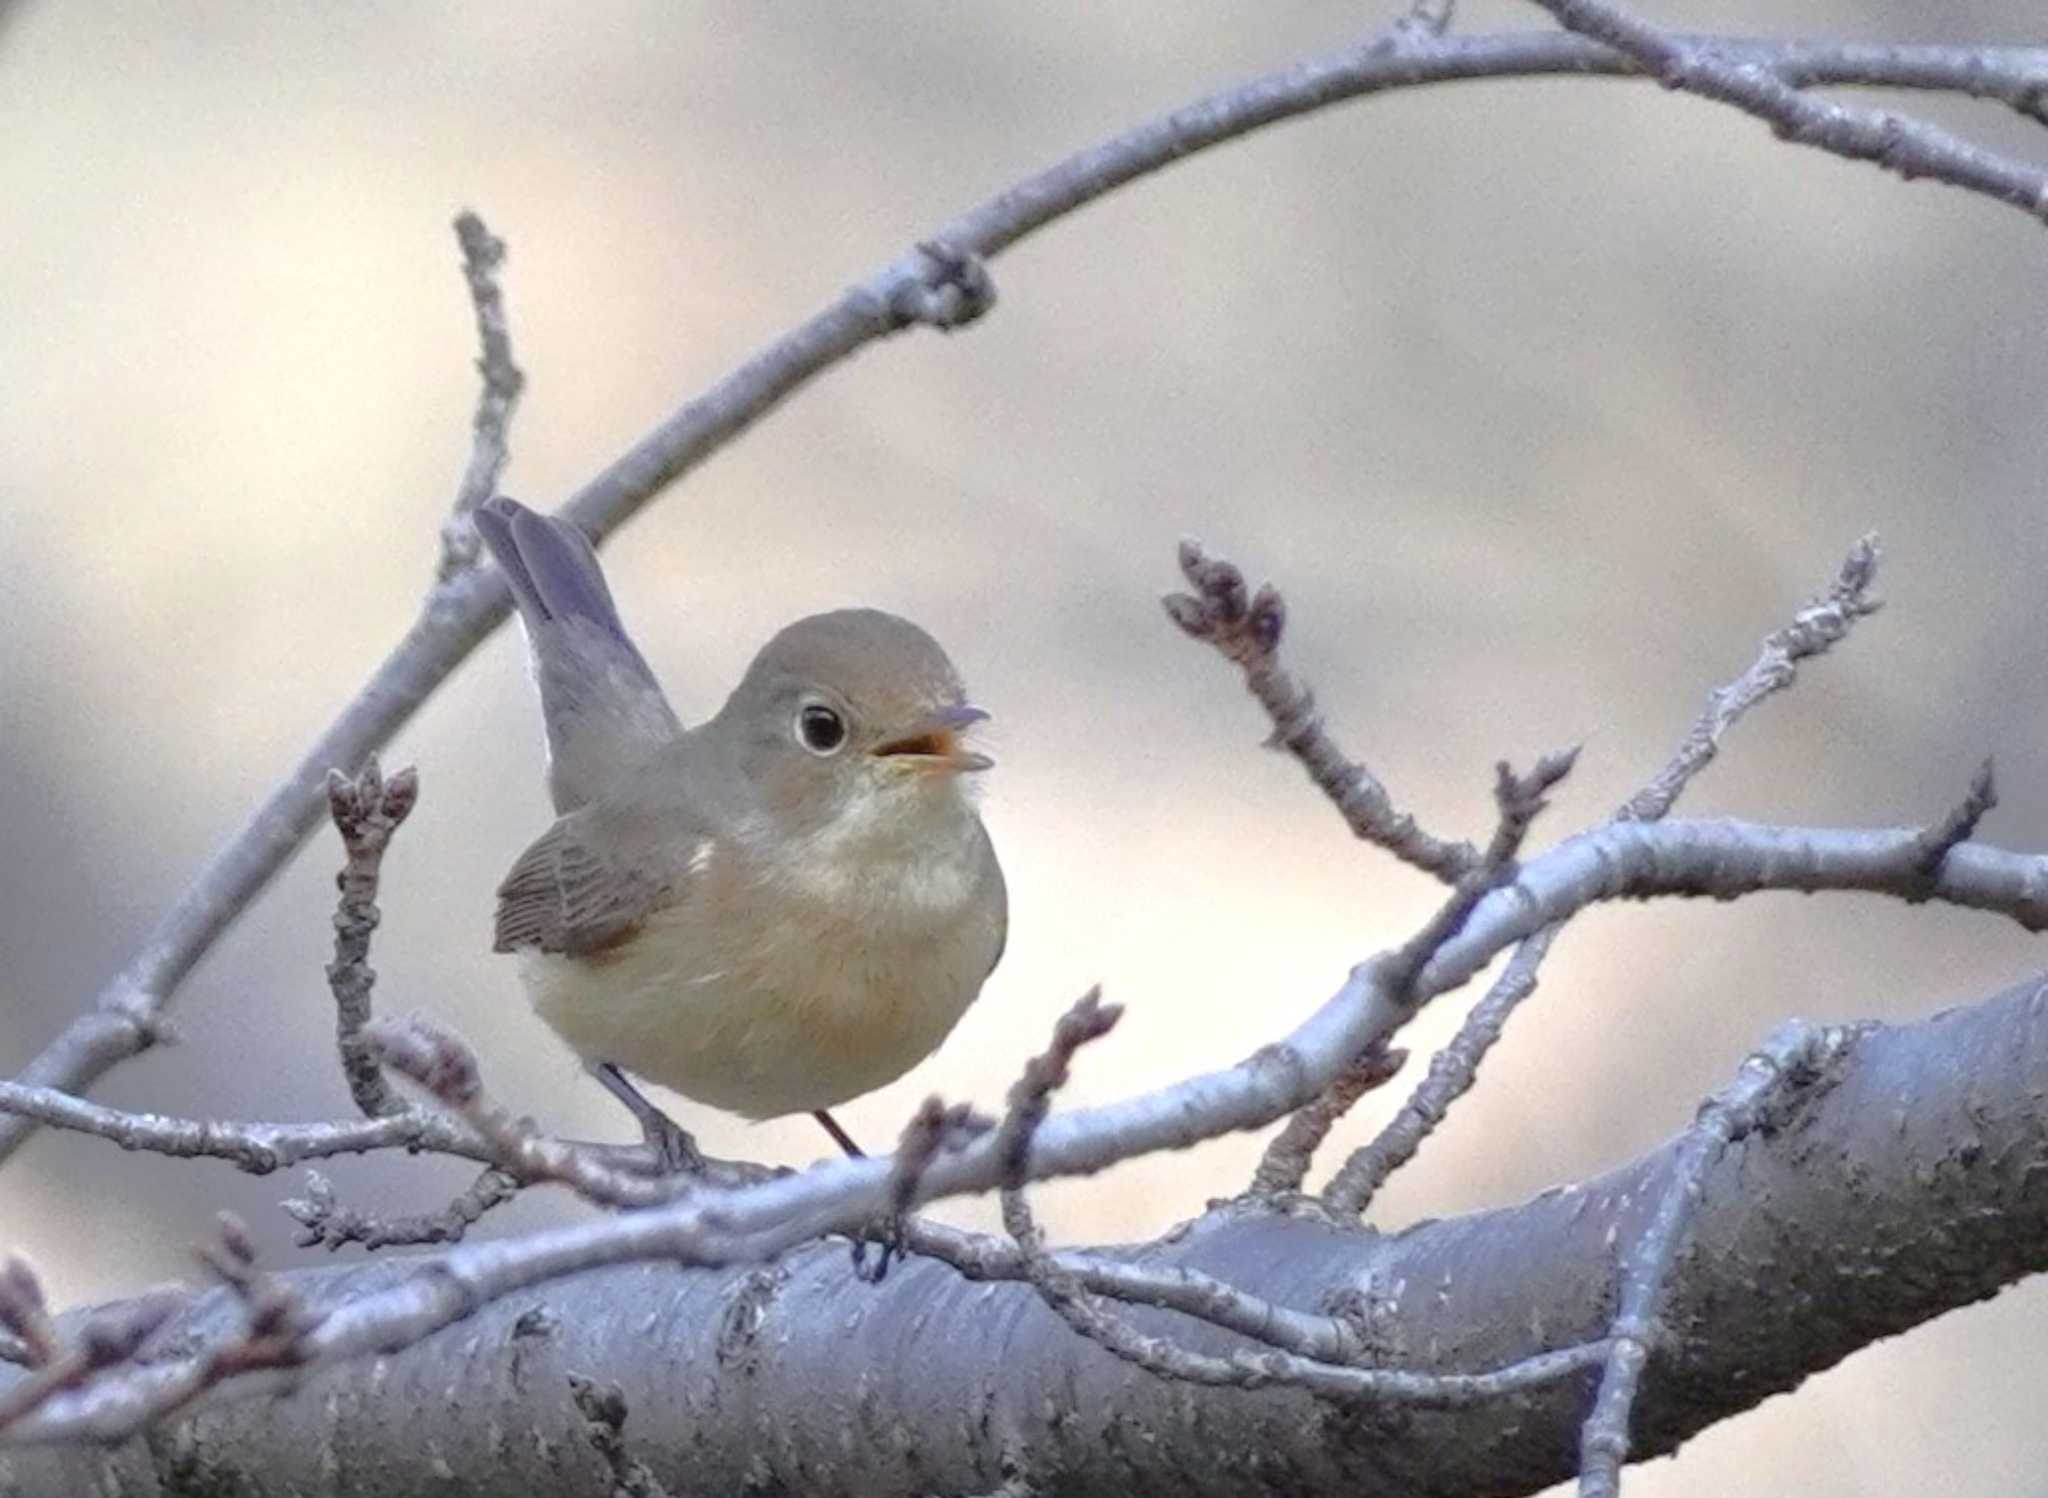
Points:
[[802, 1012]]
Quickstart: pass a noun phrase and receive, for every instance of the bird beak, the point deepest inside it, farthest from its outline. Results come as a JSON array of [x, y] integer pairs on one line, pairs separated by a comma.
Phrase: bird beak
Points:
[[934, 744]]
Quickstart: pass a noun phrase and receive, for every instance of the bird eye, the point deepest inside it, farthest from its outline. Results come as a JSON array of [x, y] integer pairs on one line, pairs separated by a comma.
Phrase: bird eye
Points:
[[820, 729]]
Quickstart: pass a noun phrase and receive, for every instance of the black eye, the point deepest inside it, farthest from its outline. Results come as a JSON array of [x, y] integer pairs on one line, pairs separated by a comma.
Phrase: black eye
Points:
[[820, 729]]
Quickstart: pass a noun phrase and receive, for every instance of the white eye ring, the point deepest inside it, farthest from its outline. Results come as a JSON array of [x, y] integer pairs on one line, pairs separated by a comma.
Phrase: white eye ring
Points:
[[820, 729]]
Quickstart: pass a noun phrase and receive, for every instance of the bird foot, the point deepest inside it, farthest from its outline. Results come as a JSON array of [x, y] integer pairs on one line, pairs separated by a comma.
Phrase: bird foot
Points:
[[887, 1233], [674, 1150]]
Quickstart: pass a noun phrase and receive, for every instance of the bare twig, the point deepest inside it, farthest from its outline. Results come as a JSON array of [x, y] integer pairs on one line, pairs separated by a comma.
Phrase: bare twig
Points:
[[1790, 1059], [934, 1128], [1066, 1292], [1814, 630], [366, 811], [1030, 1099], [258, 1148], [1191, 1293], [1961, 820], [1908, 147], [105, 1342], [324, 1221], [1452, 1072], [272, 1338], [1286, 1161], [1246, 629], [126, 1017], [482, 255], [1046, 1073], [1520, 799]]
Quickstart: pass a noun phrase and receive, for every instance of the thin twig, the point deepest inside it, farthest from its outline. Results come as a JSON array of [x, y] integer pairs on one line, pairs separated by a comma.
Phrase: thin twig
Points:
[[126, 1017], [1519, 799], [1286, 1161], [1030, 1098], [1452, 1072], [932, 1130], [273, 1336], [325, 1222], [367, 810], [257, 1148], [489, 449], [1189, 1292], [260, 1148], [1065, 1291], [1814, 630], [1961, 821], [1246, 629], [1910, 148], [1792, 1058], [106, 1342]]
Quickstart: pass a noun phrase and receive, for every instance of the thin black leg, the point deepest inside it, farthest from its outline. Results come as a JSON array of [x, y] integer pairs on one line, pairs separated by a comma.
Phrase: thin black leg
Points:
[[839, 1136], [671, 1143]]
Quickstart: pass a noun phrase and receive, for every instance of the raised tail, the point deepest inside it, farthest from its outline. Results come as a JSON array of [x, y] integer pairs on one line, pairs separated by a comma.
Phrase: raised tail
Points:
[[605, 712]]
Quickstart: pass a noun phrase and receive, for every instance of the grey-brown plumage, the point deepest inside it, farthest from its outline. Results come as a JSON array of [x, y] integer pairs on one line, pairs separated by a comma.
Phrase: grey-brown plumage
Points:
[[781, 909]]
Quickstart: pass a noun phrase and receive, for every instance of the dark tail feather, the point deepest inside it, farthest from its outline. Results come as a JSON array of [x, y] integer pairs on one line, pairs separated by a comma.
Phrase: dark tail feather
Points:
[[552, 569], [604, 710]]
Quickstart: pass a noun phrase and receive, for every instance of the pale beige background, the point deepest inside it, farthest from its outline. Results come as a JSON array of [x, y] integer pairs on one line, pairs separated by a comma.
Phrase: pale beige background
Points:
[[1543, 401]]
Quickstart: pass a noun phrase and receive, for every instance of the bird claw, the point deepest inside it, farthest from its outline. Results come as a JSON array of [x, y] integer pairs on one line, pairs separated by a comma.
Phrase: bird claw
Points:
[[673, 1148], [888, 1233]]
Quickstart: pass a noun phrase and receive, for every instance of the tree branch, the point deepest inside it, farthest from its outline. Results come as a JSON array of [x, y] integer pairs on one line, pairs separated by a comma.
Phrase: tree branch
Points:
[[1814, 630], [324, 1221], [1910, 148], [469, 602], [740, 1376], [1718, 860], [367, 810], [1790, 1060], [1246, 630], [489, 451]]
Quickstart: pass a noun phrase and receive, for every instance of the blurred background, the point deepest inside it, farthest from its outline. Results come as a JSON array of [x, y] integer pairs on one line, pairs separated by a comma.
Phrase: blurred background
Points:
[[1542, 402]]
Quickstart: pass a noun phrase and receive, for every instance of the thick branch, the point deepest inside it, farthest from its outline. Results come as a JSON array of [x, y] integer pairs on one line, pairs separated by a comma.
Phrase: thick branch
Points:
[[796, 1377], [755, 1222], [465, 606]]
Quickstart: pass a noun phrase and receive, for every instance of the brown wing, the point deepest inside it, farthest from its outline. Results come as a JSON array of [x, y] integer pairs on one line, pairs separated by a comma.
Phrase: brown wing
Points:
[[564, 896]]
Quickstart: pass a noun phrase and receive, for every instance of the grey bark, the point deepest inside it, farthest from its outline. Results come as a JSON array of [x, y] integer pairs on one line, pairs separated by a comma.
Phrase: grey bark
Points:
[[1911, 1180]]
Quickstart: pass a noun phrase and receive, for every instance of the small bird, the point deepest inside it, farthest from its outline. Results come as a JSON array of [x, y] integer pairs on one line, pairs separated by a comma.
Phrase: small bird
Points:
[[783, 908]]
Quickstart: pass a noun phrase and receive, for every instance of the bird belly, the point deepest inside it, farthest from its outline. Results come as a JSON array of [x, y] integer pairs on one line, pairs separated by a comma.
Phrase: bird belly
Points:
[[750, 1017]]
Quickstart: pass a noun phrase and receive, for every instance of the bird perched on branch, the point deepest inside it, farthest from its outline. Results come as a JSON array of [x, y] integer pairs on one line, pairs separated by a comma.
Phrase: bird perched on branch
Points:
[[776, 911]]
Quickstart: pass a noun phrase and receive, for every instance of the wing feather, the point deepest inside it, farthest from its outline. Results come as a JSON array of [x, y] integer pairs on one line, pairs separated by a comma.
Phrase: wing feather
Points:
[[564, 896]]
